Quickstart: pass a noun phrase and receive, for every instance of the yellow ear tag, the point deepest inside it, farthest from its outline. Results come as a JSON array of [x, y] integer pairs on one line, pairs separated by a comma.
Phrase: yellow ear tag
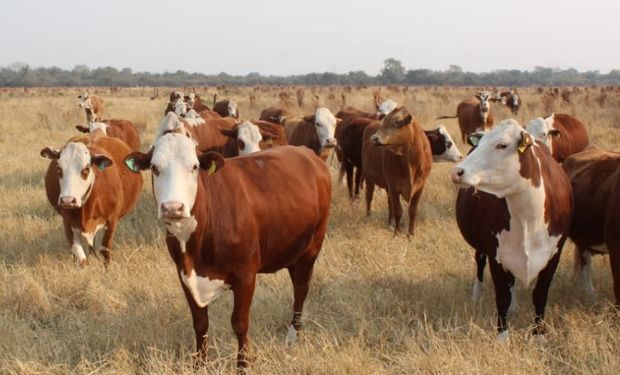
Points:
[[521, 148], [212, 168], [269, 141]]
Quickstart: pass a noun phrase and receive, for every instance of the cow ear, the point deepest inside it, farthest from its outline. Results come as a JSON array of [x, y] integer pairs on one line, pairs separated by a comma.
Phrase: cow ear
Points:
[[232, 133], [50, 153], [211, 162], [555, 133], [82, 129], [526, 141], [100, 161], [138, 161], [404, 121], [309, 118]]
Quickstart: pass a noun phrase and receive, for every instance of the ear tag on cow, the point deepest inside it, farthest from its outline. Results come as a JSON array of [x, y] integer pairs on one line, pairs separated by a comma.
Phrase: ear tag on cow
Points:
[[522, 148], [269, 141], [131, 164], [101, 166], [474, 140], [211, 169]]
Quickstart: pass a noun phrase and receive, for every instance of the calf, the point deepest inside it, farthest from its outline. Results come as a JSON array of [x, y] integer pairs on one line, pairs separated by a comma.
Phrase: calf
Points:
[[93, 106], [595, 177], [563, 134], [88, 186], [116, 128], [474, 115], [397, 156], [247, 138], [220, 238], [530, 232]]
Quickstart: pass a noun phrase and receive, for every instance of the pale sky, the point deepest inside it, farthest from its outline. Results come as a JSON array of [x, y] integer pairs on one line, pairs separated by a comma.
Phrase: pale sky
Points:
[[297, 37]]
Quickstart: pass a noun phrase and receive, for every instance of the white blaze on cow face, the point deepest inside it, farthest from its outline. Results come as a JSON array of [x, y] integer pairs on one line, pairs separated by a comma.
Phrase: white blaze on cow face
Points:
[[232, 109], [485, 105], [175, 172], [85, 101], [542, 129], [93, 126], [180, 107], [387, 107], [325, 122], [203, 289], [452, 152], [249, 137], [76, 176]]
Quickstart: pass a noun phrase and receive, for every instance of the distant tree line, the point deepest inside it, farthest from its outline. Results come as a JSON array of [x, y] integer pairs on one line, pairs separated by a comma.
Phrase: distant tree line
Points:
[[392, 73]]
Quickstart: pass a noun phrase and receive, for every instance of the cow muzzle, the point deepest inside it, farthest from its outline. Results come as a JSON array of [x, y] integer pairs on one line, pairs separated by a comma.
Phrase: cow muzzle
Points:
[[172, 210], [330, 143], [67, 202], [456, 174], [375, 140]]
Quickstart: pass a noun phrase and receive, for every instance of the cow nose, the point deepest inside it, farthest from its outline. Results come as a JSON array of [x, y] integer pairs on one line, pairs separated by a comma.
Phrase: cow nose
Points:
[[330, 142], [456, 174], [172, 210], [375, 139], [67, 202]]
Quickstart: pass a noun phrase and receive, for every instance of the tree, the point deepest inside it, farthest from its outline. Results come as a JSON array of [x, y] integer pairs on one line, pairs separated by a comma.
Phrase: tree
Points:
[[393, 71]]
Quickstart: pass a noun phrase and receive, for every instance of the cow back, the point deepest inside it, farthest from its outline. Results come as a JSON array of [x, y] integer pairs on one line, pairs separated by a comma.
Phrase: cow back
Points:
[[125, 131]]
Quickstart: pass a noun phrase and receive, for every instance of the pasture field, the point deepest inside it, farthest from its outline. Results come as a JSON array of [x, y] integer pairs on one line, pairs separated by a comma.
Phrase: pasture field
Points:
[[377, 304]]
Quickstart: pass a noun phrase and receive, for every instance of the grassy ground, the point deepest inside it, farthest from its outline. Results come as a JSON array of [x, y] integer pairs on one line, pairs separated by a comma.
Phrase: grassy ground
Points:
[[377, 305]]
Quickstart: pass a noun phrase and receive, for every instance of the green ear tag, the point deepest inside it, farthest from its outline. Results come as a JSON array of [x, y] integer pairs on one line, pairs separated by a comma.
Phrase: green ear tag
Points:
[[101, 167], [131, 164], [474, 140], [211, 169]]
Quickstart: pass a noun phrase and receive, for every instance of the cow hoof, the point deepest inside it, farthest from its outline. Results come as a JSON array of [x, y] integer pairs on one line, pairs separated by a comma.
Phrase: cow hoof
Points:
[[476, 294], [82, 263], [291, 335], [504, 337]]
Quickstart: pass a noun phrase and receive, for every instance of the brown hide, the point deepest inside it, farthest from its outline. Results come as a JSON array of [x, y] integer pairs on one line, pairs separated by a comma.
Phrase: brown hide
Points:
[[573, 136]]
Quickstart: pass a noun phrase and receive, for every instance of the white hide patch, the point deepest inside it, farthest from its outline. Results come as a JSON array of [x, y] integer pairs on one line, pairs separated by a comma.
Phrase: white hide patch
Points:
[[203, 289], [291, 335], [170, 122], [182, 230], [192, 118], [540, 128], [251, 137], [90, 237], [504, 337], [387, 107], [73, 158], [76, 247], [325, 122], [452, 152], [232, 109], [93, 126]]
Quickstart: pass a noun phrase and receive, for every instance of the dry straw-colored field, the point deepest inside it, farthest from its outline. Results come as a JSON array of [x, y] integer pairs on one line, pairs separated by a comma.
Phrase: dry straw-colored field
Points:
[[377, 305]]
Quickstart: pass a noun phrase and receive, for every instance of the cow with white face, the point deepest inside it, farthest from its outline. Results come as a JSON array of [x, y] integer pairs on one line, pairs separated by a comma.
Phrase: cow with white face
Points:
[[247, 138], [85, 184], [442, 145], [508, 163], [325, 122], [542, 129], [93, 106], [214, 246], [314, 131], [386, 108], [474, 114]]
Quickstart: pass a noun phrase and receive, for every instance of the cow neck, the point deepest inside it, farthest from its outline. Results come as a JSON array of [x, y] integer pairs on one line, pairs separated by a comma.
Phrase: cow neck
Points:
[[90, 205]]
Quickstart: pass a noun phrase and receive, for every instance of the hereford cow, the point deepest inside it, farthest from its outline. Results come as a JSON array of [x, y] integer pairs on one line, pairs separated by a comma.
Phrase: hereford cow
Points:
[[511, 100], [220, 238], [396, 156], [313, 131], [248, 137], [207, 133], [563, 134], [117, 128], [89, 187], [93, 106], [226, 108], [474, 115], [595, 177], [442, 145], [276, 115], [529, 232]]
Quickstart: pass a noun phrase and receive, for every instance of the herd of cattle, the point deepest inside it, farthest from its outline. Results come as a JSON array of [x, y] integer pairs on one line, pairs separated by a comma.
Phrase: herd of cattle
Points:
[[217, 181]]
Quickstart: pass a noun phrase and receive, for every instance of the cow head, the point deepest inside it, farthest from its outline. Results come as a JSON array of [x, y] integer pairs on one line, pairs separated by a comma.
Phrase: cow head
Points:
[[395, 129], [248, 137], [190, 100], [386, 108], [233, 111], [513, 102], [175, 165], [485, 99], [171, 123], [76, 172], [496, 165], [442, 145], [85, 101], [325, 125], [542, 129]]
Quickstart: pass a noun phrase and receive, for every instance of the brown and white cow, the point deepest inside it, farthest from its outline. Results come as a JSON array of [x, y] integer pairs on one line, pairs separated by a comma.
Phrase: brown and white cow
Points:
[[474, 114], [276, 115], [442, 145], [563, 134], [220, 238], [529, 232], [396, 156], [207, 133], [314, 131], [90, 188], [595, 177], [226, 108], [93, 106], [249, 137], [510, 99], [116, 128]]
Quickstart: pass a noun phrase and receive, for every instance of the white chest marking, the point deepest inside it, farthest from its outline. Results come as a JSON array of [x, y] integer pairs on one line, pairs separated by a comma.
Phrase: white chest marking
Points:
[[90, 237], [182, 230], [203, 289]]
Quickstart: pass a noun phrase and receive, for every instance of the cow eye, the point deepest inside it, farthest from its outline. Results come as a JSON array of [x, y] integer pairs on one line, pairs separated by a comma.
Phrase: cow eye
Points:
[[501, 146], [85, 171], [449, 144], [195, 168], [155, 170]]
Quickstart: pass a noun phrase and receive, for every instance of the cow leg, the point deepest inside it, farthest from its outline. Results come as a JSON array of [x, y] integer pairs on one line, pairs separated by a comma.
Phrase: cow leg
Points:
[[358, 181], [541, 290], [243, 291], [502, 280], [300, 273], [583, 269], [396, 209], [481, 262], [413, 209], [200, 320], [370, 189], [348, 167], [73, 236], [106, 243], [614, 262]]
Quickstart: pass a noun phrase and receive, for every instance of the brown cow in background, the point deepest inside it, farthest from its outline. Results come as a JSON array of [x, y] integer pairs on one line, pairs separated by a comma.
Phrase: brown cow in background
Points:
[[563, 134], [474, 114], [93, 106], [116, 128]]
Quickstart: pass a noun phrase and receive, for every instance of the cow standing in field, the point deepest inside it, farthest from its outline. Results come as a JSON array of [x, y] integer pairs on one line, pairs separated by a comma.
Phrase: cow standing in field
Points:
[[249, 137], [474, 114], [226, 108], [116, 128], [510, 99], [89, 187], [396, 156], [595, 229], [93, 106], [563, 134], [220, 238], [524, 238]]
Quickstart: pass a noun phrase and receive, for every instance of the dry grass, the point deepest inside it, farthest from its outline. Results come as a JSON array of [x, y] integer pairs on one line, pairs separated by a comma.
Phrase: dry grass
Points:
[[378, 304]]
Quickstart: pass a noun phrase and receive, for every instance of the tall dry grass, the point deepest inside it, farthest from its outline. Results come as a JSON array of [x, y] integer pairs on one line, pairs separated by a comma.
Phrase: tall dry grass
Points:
[[378, 304]]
